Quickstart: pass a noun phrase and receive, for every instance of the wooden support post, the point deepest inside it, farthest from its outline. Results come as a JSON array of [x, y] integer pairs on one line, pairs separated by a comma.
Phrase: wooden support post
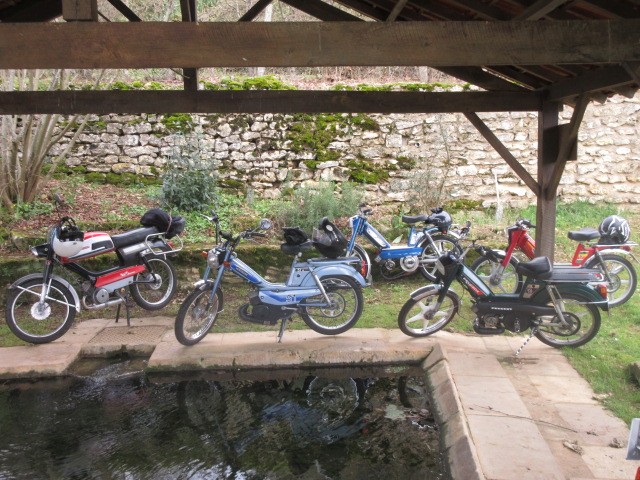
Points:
[[80, 10], [189, 75], [547, 156]]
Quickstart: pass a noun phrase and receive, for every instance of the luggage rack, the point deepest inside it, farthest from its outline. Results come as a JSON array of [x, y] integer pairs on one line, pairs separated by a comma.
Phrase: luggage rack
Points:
[[161, 236]]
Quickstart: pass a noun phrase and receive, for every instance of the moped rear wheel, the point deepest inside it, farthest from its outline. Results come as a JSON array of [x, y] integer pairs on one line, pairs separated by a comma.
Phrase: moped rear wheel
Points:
[[421, 316], [509, 282], [36, 322], [582, 322], [197, 314], [158, 285], [443, 243], [622, 275], [365, 261], [344, 310]]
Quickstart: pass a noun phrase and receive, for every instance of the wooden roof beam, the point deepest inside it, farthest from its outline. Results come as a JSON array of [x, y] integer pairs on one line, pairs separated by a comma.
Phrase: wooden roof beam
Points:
[[313, 44], [267, 101]]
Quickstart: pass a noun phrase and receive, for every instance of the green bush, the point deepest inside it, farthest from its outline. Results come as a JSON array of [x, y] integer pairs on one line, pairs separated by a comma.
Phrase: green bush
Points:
[[310, 204], [189, 183]]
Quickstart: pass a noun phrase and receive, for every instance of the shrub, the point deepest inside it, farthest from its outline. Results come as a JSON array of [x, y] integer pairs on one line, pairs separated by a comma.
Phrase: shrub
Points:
[[189, 183], [310, 204]]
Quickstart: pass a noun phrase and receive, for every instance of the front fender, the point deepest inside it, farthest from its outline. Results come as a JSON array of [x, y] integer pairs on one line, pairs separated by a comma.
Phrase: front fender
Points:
[[420, 292], [203, 285], [342, 269], [542, 295], [33, 276]]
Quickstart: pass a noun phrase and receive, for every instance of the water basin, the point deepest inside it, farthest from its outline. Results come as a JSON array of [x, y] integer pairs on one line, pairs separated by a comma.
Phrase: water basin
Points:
[[113, 421]]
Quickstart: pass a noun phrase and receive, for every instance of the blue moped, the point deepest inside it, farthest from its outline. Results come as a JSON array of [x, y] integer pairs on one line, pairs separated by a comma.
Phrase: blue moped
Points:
[[424, 244], [326, 292]]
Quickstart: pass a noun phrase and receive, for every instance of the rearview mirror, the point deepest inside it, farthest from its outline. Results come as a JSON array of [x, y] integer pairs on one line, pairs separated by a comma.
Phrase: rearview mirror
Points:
[[265, 224]]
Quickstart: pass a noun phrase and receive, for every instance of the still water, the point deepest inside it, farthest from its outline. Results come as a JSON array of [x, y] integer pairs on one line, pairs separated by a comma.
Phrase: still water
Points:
[[115, 422]]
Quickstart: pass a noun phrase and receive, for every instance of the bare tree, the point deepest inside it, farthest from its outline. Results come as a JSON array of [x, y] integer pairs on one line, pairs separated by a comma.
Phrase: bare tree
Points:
[[26, 140]]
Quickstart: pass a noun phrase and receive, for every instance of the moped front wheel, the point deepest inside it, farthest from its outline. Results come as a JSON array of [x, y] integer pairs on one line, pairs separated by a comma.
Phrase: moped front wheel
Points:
[[442, 243], [342, 312], [197, 314], [622, 277], [510, 281], [39, 322], [581, 323], [156, 286], [422, 316]]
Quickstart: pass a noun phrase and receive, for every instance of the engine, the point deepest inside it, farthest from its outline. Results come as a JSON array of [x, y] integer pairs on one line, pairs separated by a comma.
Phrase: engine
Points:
[[491, 324], [263, 314]]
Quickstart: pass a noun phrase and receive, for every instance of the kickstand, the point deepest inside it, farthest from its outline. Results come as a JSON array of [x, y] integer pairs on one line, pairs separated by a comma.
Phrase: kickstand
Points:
[[533, 332], [283, 325], [126, 307]]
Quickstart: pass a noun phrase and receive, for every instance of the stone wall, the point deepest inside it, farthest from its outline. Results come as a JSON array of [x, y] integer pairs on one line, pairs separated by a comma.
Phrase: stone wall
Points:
[[427, 158]]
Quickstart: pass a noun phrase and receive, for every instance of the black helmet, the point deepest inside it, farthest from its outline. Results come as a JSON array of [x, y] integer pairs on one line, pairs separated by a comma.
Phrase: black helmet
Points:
[[440, 219], [614, 230], [328, 240]]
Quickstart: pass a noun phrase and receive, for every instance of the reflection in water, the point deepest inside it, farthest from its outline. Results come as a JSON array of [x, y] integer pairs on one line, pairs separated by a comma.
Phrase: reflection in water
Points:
[[113, 424]]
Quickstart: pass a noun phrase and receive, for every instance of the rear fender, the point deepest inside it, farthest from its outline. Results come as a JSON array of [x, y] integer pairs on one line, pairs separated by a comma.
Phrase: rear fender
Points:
[[32, 276], [542, 295], [343, 269]]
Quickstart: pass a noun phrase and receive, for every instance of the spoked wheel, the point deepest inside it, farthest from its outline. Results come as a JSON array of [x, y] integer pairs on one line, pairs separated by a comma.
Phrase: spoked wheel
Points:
[[36, 322], [422, 316], [429, 255], [510, 281], [197, 315], [621, 275], [342, 312], [581, 323], [157, 286]]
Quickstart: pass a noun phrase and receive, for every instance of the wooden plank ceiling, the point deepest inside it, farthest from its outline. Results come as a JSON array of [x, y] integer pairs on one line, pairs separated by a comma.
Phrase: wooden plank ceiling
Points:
[[552, 50]]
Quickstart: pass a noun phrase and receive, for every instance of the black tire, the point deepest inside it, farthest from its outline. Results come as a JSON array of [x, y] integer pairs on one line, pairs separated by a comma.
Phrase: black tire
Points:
[[510, 282], [412, 320], [583, 323], [197, 315], [428, 257], [345, 309], [365, 261], [35, 324], [156, 294], [624, 279]]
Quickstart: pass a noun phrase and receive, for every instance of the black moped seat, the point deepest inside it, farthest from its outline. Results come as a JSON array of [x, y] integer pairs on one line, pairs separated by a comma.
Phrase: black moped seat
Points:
[[290, 249], [411, 219], [133, 236], [539, 267], [584, 234]]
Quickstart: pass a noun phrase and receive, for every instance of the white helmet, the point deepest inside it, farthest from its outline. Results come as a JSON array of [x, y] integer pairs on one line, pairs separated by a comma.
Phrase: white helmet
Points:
[[67, 239]]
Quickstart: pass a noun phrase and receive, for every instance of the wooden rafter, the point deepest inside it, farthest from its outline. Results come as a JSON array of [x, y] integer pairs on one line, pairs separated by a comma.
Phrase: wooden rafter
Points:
[[539, 9], [125, 10], [254, 11], [289, 101], [607, 77], [196, 45], [321, 10]]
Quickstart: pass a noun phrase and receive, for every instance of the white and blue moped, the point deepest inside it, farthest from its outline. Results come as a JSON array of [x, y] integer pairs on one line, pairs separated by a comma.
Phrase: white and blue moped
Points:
[[326, 292]]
